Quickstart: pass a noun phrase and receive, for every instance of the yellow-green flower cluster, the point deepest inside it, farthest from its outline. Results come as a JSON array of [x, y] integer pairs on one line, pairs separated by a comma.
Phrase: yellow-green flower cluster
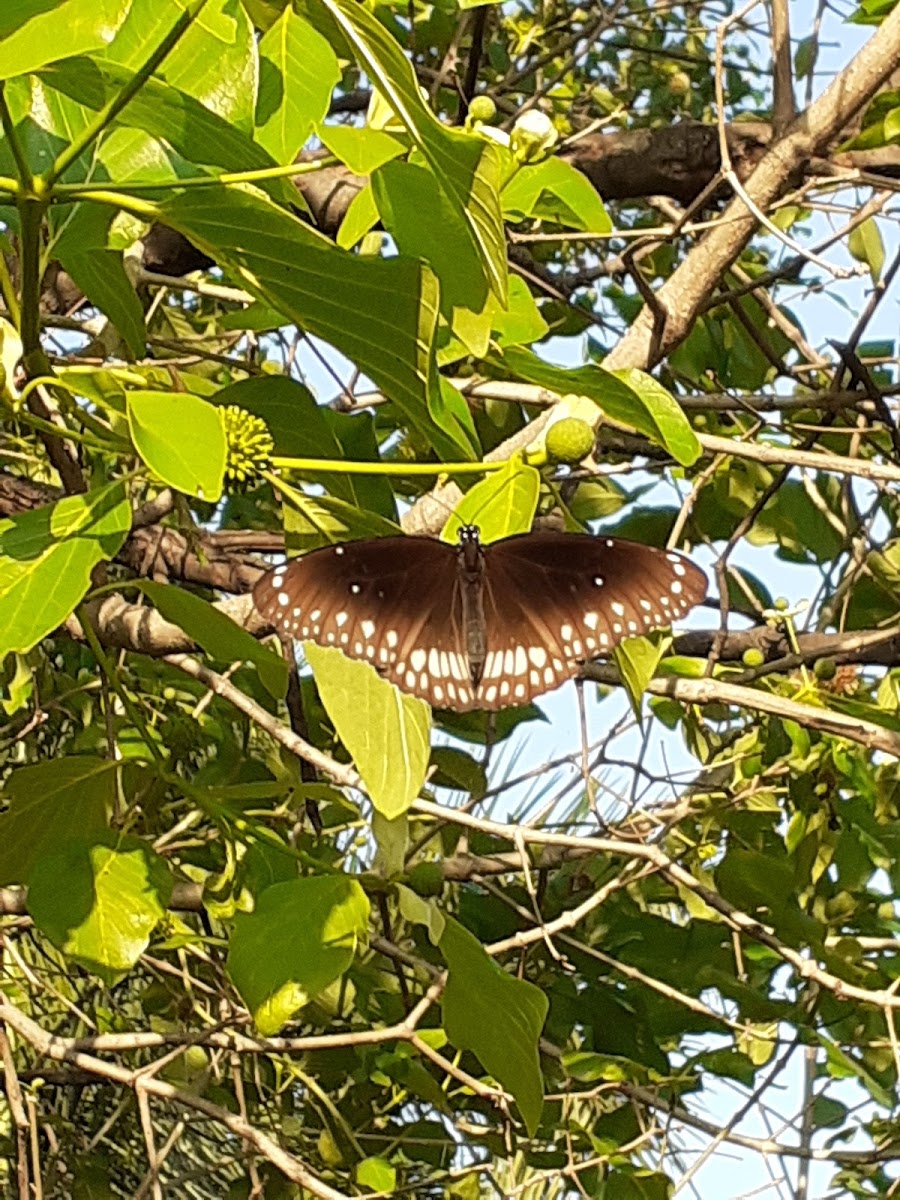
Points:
[[250, 446]]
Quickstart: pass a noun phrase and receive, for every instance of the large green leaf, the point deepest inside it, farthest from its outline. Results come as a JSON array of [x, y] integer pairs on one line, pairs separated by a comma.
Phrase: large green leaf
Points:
[[30, 31], [214, 61], [181, 438], [46, 559], [556, 191], [217, 633], [100, 900], [300, 938], [297, 72], [82, 247], [385, 731], [313, 283], [628, 396], [466, 166], [426, 224], [496, 1016], [194, 131], [51, 803]]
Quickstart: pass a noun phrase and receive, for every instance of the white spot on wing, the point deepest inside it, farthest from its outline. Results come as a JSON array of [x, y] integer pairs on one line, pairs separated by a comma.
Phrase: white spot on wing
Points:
[[538, 655], [566, 632], [391, 638], [284, 599], [591, 619], [521, 661], [368, 628], [417, 659], [617, 608], [340, 619], [675, 588]]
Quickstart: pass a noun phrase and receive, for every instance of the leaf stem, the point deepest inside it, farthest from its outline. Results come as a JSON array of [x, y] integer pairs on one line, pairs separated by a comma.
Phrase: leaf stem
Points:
[[88, 191], [385, 468]]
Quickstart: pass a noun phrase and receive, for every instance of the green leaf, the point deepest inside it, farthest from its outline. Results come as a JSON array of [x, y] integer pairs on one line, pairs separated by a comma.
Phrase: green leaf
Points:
[[359, 219], [99, 901], [376, 1175], [521, 322], [637, 660], [392, 842], [866, 245], [672, 427], [194, 131], [496, 1016], [218, 45], [30, 31], [219, 636], [313, 283], [181, 438], [46, 559], [83, 249], [50, 805], [555, 191], [629, 397], [324, 520], [297, 72], [841, 1065], [385, 731], [421, 911], [362, 150], [501, 504], [467, 167], [454, 768], [426, 224], [300, 938]]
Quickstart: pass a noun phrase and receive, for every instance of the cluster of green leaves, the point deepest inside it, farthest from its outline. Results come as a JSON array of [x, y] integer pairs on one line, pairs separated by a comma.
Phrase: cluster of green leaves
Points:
[[125, 781]]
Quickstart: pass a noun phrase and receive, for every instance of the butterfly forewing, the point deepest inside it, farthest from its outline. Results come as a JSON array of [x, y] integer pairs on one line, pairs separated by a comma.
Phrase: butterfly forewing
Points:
[[551, 601], [392, 602], [554, 600]]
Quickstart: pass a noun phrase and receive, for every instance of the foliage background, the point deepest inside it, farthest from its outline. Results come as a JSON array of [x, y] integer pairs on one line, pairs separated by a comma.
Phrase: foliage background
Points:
[[591, 978]]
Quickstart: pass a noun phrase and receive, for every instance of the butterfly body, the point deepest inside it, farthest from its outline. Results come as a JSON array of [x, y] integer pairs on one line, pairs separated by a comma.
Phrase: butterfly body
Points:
[[479, 627]]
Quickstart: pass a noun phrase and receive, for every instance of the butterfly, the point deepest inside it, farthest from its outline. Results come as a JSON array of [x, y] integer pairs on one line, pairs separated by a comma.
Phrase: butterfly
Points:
[[476, 626]]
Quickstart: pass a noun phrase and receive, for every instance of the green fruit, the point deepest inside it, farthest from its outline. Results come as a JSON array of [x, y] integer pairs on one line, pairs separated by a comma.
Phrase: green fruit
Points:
[[569, 440], [426, 879], [782, 604], [482, 108], [753, 657], [825, 669], [679, 84]]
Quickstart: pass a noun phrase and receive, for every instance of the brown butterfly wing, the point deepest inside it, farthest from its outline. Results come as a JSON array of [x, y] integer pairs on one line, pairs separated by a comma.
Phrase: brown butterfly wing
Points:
[[552, 601], [393, 602]]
